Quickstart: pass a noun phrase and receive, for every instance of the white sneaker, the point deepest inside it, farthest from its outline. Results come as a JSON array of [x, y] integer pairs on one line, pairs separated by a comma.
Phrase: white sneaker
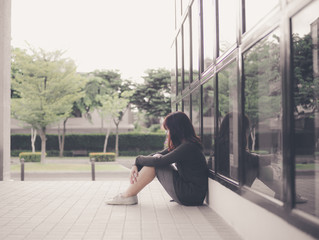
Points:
[[120, 200]]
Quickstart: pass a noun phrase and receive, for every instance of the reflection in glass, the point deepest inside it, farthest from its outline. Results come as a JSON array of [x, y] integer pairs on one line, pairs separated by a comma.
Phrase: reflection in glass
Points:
[[178, 9], [179, 64], [195, 40], [186, 103], [196, 110], [256, 10], [186, 53], [305, 36], [208, 138], [179, 106], [173, 73], [263, 120], [228, 135], [208, 29], [227, 24]]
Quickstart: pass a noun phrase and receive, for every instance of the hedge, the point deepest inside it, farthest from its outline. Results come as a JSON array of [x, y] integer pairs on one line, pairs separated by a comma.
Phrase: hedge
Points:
[[30, 156], [103, 157], [129, 143]]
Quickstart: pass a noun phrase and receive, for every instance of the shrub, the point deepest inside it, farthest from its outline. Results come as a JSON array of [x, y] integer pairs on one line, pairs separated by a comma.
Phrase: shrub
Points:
[[103, 157], [30, 156], [133, 143]]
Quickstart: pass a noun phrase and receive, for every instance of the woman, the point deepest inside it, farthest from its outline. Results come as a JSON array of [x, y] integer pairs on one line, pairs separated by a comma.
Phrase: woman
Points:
[[256, 166], [187, 181]]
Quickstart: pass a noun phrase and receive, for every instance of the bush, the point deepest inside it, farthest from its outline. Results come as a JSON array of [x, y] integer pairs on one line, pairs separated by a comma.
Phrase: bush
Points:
[[30, 156], [103, 157], [135, 143]]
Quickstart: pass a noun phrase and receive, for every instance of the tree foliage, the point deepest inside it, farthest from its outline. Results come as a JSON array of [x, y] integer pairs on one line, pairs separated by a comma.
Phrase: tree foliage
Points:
[[44, 85], [153, 96], [110, 95], [305, 85]]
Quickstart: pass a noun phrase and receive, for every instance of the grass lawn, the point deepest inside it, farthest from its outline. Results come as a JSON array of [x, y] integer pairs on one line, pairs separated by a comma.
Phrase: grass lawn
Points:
[[308, 166], [64, 167]]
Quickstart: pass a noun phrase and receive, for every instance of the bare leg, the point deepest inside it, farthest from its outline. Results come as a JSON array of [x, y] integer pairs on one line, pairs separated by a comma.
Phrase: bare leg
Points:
[[145, 176]]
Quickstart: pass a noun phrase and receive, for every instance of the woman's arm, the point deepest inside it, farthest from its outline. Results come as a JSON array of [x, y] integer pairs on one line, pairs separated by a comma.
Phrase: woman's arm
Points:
[[175, 155], [163, 152]]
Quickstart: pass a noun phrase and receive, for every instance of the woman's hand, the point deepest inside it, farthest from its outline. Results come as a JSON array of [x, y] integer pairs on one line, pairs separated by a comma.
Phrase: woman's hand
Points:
[[157, 155], [133, 174]]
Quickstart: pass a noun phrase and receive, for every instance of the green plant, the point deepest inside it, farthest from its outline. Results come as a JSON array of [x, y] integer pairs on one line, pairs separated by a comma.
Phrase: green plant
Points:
[[131, 142], [103, 157], [30, 156]]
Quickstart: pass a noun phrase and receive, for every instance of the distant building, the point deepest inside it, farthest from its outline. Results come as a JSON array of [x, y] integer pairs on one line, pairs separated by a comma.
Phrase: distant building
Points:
[[82, 125]]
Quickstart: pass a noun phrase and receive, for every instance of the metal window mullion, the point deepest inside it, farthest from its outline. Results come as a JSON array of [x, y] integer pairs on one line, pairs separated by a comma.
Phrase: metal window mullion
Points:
[[288, 114], [190, 44], [216, 105], [241, 108]]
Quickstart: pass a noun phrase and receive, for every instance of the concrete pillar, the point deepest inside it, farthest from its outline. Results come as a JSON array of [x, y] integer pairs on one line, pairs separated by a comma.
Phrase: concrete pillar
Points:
[[5, 69]]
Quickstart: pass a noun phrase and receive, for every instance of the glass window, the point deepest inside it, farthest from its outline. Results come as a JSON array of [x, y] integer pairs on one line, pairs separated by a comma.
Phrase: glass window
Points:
[[196, 111], [179, 63], [195, 40], [186, 105], [173, 107], [173, 72], [228, 122], [305, 36], [178, 10], [186, 53], [208, 137], [256, 10], [263, 120], [227, 24], [179, 106], [209, 32]]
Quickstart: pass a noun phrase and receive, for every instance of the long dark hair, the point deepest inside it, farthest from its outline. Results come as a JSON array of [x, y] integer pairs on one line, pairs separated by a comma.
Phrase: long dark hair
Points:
[[180, 127]]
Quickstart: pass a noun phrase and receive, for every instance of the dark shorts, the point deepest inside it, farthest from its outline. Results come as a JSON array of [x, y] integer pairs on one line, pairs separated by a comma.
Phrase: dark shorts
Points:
[[165, 175]]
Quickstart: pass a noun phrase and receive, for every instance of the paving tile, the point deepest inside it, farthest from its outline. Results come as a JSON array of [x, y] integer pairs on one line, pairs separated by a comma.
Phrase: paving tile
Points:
[[77, 210]]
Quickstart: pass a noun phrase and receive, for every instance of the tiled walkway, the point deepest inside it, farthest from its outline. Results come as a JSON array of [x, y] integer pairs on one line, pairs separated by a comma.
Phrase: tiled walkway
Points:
[[76, 210]]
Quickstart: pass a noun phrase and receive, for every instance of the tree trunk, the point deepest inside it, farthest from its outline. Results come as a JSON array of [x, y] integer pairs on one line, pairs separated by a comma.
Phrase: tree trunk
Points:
[[106, 138], [253, 138], [33, 138], [117, 140], [62, 138], [43, 144]]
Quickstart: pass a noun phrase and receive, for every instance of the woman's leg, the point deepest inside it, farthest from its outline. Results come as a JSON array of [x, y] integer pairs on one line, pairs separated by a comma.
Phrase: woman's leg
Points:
[[145, 176]]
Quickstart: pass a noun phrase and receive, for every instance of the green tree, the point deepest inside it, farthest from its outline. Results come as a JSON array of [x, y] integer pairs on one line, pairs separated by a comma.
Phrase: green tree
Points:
[[110, 95], [153, 96], [262, 83], [113, 107], [46, 85], [305, 86]]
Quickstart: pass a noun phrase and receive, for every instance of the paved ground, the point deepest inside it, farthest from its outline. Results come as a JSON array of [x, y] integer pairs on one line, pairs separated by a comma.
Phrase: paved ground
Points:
[[76, 210], [75, 176]]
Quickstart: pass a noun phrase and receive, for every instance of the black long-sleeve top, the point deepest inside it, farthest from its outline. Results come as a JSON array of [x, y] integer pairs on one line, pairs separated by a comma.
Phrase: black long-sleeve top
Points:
[[191, 178]]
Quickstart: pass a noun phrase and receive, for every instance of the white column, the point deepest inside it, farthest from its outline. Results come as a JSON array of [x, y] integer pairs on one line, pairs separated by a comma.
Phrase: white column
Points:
[[5, 69]]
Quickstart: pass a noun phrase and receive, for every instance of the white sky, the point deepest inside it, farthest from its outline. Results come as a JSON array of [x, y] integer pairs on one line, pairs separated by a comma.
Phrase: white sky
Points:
[[127, 35]]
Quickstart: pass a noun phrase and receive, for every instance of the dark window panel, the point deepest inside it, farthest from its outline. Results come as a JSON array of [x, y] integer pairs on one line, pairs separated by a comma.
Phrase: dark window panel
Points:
[[208, 138], [263, 117], [228, 130], [305, 35]]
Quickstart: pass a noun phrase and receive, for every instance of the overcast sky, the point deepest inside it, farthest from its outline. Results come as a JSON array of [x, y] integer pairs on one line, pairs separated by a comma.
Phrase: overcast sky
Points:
[[127, 35]]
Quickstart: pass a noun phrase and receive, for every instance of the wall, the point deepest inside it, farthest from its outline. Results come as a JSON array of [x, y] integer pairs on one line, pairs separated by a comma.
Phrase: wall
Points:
[[248, 219], [5, 69]]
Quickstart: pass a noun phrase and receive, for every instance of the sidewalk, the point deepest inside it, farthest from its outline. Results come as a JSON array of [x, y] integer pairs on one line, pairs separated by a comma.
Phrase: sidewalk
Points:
[[76, 210], [122, 174]]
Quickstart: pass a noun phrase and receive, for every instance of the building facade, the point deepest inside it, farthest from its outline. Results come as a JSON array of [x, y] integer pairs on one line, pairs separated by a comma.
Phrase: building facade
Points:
[[247, 74], [82, 125]]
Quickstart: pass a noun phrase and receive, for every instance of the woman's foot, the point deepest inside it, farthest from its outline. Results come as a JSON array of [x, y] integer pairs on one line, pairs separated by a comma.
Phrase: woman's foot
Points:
[[300, 199], [120, 200]]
